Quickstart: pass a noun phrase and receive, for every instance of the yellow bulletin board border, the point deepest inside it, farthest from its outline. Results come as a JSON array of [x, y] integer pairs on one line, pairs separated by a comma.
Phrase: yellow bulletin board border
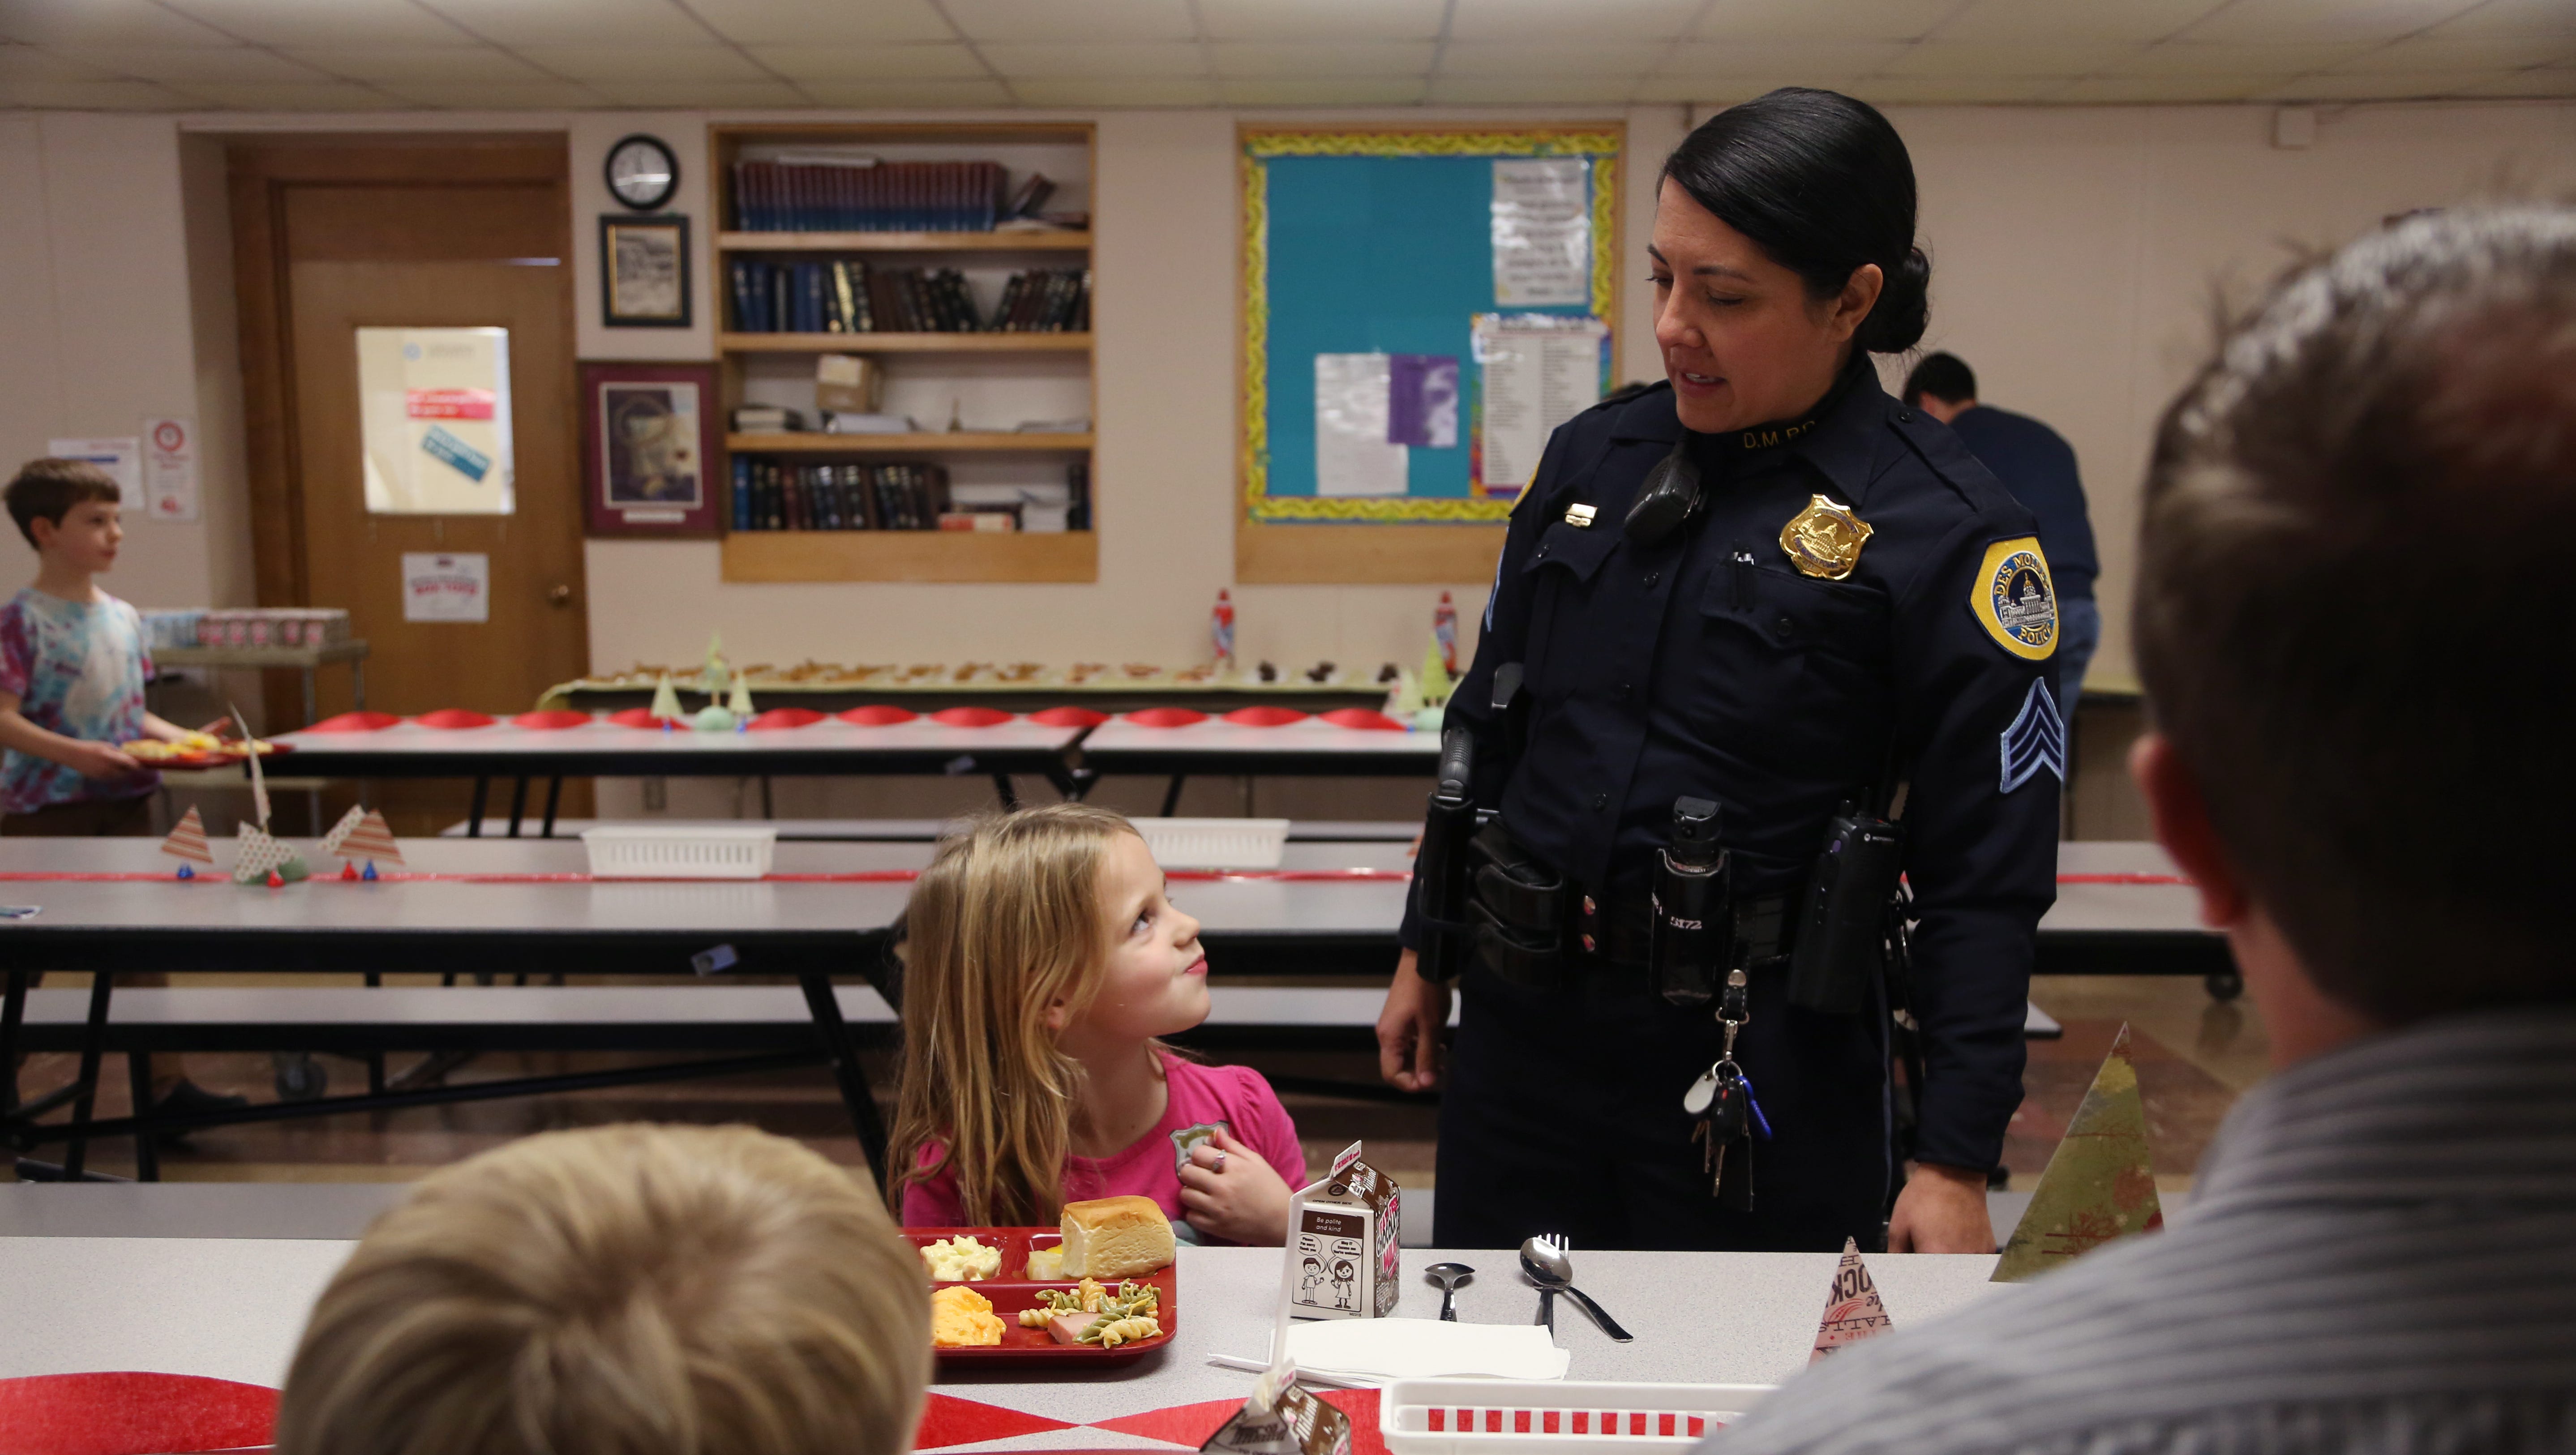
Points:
[[1294, 538]]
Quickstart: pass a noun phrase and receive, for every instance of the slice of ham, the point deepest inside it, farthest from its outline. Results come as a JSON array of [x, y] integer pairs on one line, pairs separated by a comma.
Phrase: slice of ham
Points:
[[1067, 1328]]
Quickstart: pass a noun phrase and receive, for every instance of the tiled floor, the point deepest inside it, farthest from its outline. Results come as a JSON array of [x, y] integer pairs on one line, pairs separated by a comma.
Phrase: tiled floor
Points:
[[2193, 1056]]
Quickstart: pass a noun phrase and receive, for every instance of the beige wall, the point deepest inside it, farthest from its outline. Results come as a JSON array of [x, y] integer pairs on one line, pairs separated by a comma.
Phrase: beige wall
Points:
[[2076, 254]]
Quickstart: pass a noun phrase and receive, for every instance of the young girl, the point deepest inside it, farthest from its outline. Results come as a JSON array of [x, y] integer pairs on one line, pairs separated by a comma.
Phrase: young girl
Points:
[[1042, 959]]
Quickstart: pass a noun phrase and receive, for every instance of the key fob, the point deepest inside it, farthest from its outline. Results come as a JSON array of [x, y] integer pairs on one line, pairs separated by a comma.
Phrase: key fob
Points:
[[1727, 1112], [1695, 1100]]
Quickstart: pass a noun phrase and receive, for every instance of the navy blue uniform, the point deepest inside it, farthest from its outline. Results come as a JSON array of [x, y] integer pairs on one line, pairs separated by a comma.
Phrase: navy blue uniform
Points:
[[1705, 665]]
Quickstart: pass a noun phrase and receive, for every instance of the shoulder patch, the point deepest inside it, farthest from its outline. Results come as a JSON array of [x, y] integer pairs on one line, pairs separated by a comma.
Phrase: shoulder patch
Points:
[[2015, 600], [2036, 739]]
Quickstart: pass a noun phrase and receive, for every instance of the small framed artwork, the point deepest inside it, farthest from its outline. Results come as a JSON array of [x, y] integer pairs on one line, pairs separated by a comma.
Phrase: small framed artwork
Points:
[[649, 450], [644, 271]]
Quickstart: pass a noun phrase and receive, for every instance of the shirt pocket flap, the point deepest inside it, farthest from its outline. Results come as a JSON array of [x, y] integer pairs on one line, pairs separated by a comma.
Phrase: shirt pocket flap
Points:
[[1578, 549], [1791, 610]]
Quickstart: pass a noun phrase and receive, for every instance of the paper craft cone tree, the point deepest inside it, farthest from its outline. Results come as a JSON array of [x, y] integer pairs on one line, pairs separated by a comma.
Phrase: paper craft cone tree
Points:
[[666, 700], [712, 677], [1852, 1309], [340, 831], [2099, 1185], [362, 836], [740, 703], [261, 855], [1435, 683], [188, 841]]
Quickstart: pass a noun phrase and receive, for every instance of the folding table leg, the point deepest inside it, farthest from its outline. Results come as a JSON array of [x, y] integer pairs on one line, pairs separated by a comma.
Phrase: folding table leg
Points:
[[147, 1147], [1172, 795], [1010, 794], [93, 1045], [13, 1014], [474, 815], [554, 798], [853, 1078], [518, 802]]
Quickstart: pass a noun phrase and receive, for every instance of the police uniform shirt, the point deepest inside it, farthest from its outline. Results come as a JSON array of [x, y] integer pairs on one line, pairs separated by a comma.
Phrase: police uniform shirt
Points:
[[1707, 665]]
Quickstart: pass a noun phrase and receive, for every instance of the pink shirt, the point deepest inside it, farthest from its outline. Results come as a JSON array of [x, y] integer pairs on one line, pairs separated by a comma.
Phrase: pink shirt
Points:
[[1232, 1097]]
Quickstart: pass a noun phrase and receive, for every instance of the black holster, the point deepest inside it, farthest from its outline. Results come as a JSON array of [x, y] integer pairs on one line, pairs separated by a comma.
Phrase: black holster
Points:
[[1441, 870], [1518, 912], [1840, 949]]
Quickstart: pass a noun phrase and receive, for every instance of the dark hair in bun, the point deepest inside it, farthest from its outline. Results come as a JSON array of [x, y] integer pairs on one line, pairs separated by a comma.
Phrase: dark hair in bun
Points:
[[1822, 184]]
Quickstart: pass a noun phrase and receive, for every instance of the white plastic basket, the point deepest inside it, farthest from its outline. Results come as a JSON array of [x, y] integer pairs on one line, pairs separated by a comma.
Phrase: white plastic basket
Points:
[[1531, 1417], [1215, 843], [697, 851]]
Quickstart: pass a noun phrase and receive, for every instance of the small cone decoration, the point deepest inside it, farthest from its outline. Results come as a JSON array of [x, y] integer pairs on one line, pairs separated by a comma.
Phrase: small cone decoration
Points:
[[340, 831], [1852, 1310], [372, 840], [188, 841], [666, 700], [740, 703], [1435, 681], [713, 676], [265, 860], [2099, 1184]]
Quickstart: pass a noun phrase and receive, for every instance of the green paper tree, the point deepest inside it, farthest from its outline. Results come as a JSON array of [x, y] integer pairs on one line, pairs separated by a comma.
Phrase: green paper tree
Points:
[[2100, 1184]]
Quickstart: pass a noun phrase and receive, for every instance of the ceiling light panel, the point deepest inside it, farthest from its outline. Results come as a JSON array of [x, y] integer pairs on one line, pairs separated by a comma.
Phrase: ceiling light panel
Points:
[[1093, 20], [1321, 20], [792, 22]]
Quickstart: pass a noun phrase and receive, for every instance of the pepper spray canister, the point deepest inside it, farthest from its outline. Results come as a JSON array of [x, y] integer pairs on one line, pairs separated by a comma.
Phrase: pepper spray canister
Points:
[[1694, 911]]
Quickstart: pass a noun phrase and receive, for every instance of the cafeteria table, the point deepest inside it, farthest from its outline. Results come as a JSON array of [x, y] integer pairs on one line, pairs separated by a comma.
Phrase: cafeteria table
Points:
[[972, 741], [1268, 742], [232, 1309]]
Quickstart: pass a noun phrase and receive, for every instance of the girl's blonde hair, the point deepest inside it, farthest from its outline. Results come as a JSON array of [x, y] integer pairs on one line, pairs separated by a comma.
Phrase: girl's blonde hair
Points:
[[1005, 922], [688, 1290]]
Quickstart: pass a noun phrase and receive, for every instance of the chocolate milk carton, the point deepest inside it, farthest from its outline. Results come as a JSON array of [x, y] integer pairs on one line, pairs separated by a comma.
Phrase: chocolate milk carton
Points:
[[1343, 1260]]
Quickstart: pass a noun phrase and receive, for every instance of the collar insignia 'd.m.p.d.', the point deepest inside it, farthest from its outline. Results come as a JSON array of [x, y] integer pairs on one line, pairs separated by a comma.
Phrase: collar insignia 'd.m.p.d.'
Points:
[[1824, 540], [2014, 599]]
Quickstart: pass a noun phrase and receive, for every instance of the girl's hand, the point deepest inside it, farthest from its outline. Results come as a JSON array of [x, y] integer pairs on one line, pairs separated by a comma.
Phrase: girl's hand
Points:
[[1228, 1192], [98, 760]]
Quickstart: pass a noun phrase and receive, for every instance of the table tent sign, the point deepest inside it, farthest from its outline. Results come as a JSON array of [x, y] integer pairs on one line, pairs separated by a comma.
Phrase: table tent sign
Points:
[[2100, 1183], [1852, 1309]]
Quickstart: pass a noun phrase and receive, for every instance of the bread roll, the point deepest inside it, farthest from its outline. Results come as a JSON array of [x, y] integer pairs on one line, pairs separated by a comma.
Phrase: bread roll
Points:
[[1115, 1237]]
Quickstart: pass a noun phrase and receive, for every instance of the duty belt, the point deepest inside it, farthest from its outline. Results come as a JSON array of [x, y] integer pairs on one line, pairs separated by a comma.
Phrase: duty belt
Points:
[[1529, 925]]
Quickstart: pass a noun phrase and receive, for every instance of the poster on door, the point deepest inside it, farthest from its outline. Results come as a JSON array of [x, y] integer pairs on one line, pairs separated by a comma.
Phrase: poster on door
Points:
[[434, 420], [447, 586], [170, 469]]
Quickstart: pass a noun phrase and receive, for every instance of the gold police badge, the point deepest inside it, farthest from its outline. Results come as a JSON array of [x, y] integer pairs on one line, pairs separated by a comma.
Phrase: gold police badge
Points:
[[2015, 599], [1824, 540]]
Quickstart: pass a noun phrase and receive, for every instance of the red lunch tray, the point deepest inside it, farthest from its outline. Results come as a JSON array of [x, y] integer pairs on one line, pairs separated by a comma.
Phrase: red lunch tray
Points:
[[1010, 1293]]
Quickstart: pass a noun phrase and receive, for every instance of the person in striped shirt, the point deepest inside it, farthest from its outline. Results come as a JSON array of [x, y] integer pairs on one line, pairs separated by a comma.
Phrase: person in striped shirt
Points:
[[2353, 618]]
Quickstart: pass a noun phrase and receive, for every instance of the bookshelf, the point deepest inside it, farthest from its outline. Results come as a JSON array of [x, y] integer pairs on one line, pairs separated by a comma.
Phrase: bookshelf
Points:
[[986, 382]]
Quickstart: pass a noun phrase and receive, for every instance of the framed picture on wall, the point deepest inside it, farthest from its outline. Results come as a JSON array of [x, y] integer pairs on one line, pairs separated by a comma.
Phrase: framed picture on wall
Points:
[[649, 449], [644, 271]]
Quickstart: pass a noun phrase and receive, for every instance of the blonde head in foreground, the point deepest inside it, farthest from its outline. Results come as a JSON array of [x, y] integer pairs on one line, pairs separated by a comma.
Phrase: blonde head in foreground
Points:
[[627, 1290]]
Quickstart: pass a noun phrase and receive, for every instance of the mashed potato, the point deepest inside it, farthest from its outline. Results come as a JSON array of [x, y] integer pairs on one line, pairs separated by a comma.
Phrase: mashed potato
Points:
[[952, 1260]]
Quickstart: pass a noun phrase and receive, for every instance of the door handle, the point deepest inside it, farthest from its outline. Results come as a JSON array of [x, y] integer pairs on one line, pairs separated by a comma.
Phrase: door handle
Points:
[[559, 596]]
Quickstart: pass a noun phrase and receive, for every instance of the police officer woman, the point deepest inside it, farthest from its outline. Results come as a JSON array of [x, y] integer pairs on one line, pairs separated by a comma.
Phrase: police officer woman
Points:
[[1765, 585]]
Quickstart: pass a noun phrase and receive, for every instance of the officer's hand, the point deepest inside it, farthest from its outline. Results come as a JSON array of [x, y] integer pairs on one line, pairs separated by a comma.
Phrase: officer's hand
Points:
[[1408, 1030], [1941, 1210], [1228, 1192]]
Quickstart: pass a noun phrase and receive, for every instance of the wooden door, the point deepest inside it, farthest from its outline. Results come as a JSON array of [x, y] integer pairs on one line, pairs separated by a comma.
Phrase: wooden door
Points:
[[332, 234]]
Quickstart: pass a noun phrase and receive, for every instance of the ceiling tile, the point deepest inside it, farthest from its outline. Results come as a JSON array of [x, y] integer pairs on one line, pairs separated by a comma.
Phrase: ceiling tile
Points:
[[1318, 91], [2425, 53], [2288, 21], [469, 63], [1717, 90], [2530, 18], [1569, 60], [907, 93], [1346, 59], [27, 63], [2207, 58], [1954, 90], [324, 22], [289, 95], [2386, 86], [951, 61], [709, 62], [2544, 81], [1531, 91], [1117, 60], [2143, 90], [102, 22], [194, 63], [2056, 20], [497, 95], [574, 22], [1093, 20], [734, 95], [792, 22], [1599, 20], [1322, 20], [62, 95], [1777, 62], [1812, 20], [1173, 91], [2002, 58]]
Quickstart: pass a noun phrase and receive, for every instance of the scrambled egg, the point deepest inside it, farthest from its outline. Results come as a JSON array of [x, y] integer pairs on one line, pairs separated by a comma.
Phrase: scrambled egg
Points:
[[961, 1257], [961, 1318]]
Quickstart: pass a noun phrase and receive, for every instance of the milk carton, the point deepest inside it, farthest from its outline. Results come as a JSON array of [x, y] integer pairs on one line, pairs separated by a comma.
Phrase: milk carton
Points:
[[1343, 1260]]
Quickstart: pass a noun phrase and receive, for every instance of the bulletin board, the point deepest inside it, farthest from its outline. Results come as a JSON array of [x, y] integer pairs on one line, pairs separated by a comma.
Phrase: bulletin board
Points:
[[1419, 306]]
